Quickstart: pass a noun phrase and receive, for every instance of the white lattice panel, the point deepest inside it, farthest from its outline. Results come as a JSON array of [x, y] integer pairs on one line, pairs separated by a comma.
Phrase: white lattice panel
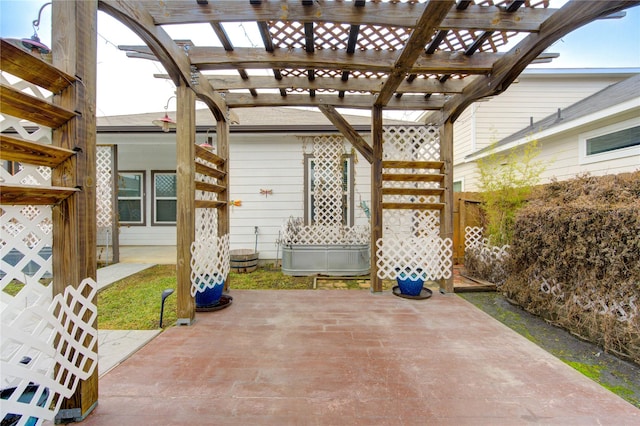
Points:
[[25, 231], [473, 237], [59, 339], [411, 143], [210, 262], [429, 257], [624, 307], [402, 224], [327, 179], [411, 237], [104, 188], [325, 234]]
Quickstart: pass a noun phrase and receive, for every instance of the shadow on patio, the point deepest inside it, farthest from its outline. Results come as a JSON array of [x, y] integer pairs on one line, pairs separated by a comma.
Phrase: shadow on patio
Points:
[[349, 357]]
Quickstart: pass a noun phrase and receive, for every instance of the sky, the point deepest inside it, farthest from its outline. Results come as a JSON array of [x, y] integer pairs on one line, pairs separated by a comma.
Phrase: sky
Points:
[[127, 86]]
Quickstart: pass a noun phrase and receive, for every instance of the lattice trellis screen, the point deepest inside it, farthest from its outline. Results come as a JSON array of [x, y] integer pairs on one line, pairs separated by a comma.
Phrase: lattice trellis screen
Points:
[[327, 186], [210, 258], [47, 345], [410, 238], [415, 143], [26, 231], [327, 180], [105, 176]]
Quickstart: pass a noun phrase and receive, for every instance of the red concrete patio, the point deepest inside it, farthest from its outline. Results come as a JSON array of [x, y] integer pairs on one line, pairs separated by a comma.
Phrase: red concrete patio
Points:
[[332, 357]]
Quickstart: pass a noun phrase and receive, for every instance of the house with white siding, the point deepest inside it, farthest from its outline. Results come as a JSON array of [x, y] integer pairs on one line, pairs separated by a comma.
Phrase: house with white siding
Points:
[[531, 104], [270, 171]]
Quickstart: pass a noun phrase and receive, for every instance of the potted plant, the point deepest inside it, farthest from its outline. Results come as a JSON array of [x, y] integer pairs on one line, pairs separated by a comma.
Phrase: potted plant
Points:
[[410, 281], [211, 293]]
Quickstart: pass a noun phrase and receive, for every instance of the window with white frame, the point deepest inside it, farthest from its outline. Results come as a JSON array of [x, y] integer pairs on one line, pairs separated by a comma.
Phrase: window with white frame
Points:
[[608, 143], [165, 197], [458, 185], [347, 190], [131, 198]]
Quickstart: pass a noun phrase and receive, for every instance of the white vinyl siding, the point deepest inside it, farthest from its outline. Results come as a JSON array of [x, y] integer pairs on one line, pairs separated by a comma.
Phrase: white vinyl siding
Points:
[[537, 97]]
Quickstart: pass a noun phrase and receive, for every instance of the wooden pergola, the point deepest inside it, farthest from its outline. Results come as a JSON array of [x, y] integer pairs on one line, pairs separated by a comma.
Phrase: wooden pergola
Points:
[[438, 56]]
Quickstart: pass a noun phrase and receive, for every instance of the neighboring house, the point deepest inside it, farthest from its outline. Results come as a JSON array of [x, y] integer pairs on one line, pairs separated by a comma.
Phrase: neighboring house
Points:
[[271, 165], [528, 110]]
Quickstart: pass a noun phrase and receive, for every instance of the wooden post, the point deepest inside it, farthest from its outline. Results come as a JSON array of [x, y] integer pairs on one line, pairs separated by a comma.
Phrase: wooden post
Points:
[[74, 51], [376, 194], [222, 144], [462, 224], [186, 216], [446, 216], [115, 234]]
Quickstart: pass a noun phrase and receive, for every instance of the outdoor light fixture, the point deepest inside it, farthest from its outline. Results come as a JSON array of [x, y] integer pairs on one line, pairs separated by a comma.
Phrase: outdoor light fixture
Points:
[[33, 43], [208, 144], [165, 293], [166, 123]]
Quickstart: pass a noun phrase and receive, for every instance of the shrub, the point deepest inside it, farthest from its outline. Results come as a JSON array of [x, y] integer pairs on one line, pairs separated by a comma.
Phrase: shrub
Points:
[[506, 180], [575, 259]]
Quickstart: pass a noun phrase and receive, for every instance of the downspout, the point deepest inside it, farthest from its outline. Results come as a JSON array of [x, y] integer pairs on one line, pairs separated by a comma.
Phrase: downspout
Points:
[[474, 140]]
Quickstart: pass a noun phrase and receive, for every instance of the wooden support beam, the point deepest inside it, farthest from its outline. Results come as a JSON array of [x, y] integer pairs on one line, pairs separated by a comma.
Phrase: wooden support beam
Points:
[[228, 46], [572, 15], [28, 67], [263, 27], [210, 204], [427, 25], [216, 58], [413, 206], [394, 164], [34, 195], [400, 14], [348, 131], [376, 195], [185, 220], [413, 191], [74, 52], [23, 151], [209, 187], [209, 171], [421, 85], [222, 147], [446, 214], [397, 177], [174, 59], [209, 156], [28, 107], [415, 102]]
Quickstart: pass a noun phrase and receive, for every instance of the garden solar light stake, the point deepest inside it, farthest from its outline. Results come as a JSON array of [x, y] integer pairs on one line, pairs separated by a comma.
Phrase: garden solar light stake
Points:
[[165, 293]]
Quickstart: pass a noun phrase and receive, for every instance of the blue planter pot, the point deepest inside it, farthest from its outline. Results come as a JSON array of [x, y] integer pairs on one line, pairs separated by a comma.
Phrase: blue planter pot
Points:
[[410, 283], [209, 296]]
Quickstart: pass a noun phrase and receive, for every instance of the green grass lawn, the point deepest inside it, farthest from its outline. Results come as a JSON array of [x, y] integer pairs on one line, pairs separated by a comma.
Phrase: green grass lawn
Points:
[[133, 303]]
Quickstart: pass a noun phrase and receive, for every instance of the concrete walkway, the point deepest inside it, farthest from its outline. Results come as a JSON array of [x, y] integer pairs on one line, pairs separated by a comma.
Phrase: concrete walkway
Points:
[[112, 273], [115, 346]]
